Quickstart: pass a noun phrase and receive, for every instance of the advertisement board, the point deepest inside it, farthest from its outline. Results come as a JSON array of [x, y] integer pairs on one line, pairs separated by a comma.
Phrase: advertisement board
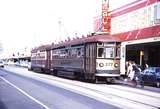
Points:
[[102, 22]]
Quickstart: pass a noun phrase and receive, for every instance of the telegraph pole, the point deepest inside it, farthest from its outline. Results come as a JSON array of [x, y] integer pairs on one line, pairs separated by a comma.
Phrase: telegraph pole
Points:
[[60, 30]]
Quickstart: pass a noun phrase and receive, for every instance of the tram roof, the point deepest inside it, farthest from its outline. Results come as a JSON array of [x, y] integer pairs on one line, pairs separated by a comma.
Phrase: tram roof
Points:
[[88, 39], [41, 48]]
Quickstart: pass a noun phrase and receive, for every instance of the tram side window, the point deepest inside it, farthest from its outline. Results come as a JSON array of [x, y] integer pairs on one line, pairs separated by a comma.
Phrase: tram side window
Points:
[[42, 55], [110, 52], [55, 53], [63, 53], [101, 52], [73, 52], [80, 52], [66, 53], [33, 56], [38, 55]]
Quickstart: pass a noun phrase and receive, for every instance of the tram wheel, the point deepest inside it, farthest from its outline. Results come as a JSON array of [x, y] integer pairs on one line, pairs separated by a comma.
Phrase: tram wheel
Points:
[[54, 72], [110, 80], [96, 80]]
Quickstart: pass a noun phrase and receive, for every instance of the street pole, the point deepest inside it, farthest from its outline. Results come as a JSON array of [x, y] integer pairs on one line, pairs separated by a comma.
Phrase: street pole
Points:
[[60, 27]]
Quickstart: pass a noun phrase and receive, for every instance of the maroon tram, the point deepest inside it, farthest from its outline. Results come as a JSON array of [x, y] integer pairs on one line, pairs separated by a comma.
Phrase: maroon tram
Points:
[[88, 58], [40, 58]]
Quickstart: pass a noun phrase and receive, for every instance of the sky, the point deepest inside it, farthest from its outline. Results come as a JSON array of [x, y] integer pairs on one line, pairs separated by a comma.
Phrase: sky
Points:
[[29, 23]]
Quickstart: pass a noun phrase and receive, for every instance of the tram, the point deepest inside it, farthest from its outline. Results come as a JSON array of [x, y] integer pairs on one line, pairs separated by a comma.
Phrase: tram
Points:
[[88, 58], [39, 60]]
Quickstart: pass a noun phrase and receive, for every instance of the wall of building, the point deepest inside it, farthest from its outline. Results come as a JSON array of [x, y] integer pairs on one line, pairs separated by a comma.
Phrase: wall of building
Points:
[[137, 20], [138, 26]]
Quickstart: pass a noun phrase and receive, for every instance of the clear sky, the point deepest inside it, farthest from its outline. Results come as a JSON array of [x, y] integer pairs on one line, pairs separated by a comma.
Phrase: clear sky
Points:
[[29, 23]]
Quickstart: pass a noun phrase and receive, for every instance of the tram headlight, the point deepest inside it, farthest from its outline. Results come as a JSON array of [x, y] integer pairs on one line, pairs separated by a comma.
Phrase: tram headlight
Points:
[[101, 64], [116, 65]]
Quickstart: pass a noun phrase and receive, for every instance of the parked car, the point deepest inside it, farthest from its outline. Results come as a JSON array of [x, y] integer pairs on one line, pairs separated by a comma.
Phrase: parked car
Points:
[[1, 63], [151, 76]]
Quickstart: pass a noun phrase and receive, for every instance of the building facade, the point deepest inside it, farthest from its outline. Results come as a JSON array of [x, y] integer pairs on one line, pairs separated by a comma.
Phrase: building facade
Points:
[[138, 26]]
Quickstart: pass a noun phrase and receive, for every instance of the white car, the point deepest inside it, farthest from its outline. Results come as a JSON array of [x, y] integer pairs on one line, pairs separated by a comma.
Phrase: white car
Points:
[[1, 63]]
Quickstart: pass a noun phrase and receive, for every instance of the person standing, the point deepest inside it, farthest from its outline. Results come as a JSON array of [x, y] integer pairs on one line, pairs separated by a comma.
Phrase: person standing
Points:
[[146, 66], [130, 70], [126, 68], [137, 75]]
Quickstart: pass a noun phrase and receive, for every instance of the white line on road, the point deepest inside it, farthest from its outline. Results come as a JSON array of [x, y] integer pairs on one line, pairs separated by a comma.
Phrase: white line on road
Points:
[[23, 92]]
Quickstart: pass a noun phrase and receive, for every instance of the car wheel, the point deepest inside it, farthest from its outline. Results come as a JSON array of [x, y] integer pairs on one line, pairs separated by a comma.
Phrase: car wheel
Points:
[[158, 84]]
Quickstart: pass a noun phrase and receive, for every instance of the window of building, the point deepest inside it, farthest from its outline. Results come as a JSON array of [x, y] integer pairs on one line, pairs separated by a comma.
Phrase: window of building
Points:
[[157, 13]]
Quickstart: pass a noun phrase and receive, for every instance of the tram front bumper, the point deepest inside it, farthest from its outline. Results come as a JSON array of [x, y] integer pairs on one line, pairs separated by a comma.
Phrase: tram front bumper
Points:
[[107, 73]]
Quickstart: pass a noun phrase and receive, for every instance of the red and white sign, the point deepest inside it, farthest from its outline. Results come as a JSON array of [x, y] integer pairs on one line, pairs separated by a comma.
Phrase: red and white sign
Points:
[[105, 17], [102, 23]]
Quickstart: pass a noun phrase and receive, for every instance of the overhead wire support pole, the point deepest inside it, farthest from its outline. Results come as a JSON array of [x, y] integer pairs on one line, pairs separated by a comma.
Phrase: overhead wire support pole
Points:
[[59, 24]]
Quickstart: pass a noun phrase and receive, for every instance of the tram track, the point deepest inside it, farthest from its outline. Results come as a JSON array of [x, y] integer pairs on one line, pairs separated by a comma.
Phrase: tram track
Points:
[[111, 95], [138, 92]]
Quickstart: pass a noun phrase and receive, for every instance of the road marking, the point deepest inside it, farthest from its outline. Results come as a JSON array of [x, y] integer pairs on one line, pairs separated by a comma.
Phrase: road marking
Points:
[[23, 92]]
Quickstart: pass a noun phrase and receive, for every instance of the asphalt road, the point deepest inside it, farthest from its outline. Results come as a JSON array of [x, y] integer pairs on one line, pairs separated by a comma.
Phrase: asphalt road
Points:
[[19, 92]]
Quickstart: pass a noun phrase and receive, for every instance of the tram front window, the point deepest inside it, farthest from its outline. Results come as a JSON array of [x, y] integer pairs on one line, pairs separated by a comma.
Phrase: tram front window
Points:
[[109, 53], [100, 52], [106, 52]]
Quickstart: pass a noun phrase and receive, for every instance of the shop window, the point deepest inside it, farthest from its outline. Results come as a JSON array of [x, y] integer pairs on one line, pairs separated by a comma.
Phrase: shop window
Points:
[[157, 13]]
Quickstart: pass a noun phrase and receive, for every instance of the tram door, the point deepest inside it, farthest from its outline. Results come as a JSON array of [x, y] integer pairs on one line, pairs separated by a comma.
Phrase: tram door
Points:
[[48, 61], [90, 58]]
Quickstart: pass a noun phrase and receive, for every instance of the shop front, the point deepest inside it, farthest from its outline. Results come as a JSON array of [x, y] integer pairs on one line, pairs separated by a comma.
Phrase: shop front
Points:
[[143, 51]]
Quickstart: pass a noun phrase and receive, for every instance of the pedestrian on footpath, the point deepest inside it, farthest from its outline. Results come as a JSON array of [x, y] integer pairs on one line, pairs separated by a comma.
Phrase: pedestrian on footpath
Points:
[[137, 75], [146, 66], [126, 68], [130, 70]]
